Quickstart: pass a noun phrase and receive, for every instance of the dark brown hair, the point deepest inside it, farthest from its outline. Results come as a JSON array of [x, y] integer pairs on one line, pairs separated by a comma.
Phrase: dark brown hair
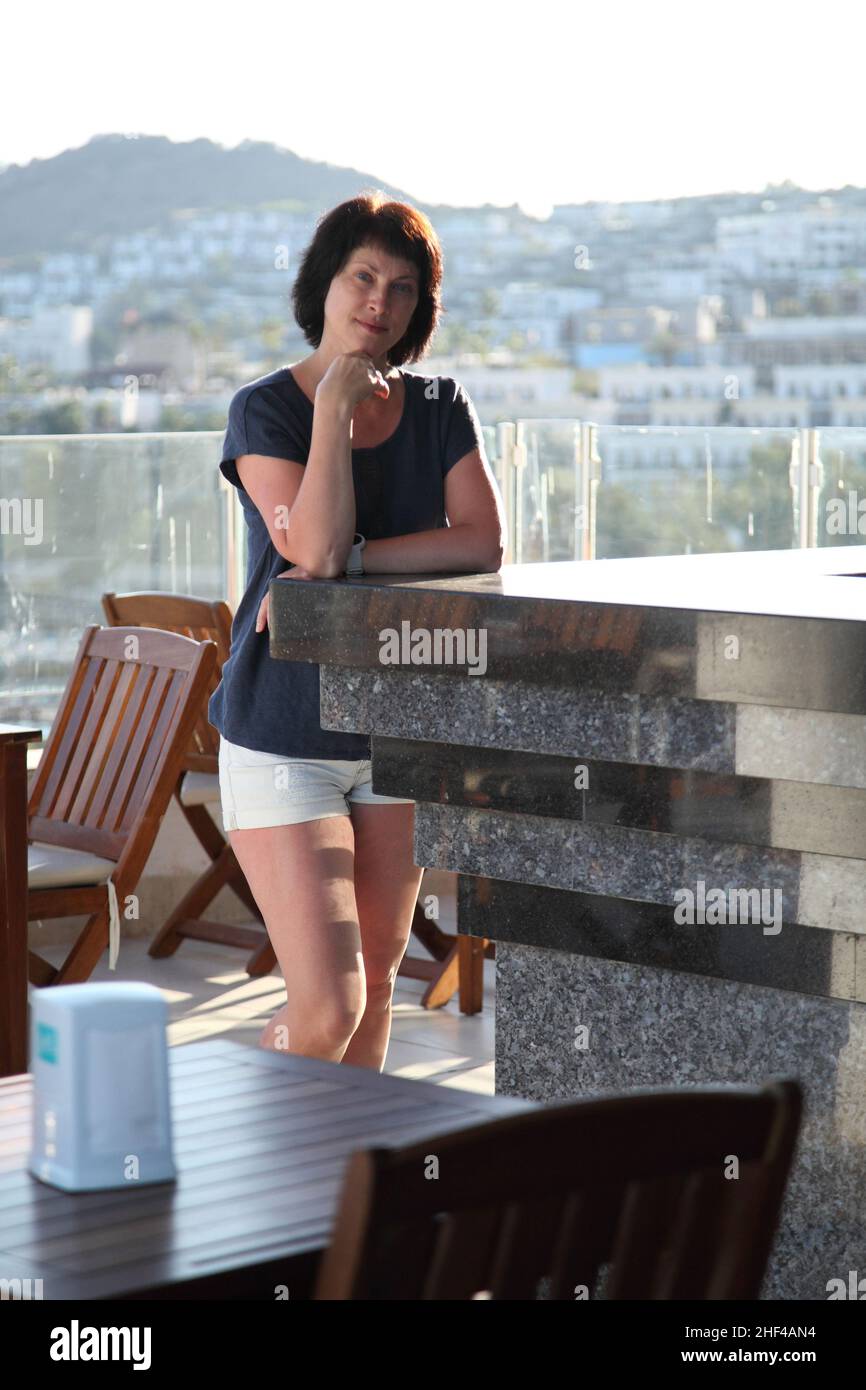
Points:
[[397, 229]]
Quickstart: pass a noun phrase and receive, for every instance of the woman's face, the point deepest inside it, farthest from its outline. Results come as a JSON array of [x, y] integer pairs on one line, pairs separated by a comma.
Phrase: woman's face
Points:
[[372, 290]]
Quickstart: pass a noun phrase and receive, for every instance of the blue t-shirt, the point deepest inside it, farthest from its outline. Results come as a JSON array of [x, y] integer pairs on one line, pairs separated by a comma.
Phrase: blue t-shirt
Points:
[[273, 705]]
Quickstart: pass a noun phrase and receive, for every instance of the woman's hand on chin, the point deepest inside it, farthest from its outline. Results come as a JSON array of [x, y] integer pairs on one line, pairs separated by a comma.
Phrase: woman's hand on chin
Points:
[[296, 572]]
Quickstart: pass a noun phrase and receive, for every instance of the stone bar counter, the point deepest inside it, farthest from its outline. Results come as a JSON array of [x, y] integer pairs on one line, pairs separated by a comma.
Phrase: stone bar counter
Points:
[[650, 778]]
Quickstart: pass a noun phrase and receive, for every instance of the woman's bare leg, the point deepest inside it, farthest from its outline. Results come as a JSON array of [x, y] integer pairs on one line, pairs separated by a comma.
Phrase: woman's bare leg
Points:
[[302, 877], [386, 889]]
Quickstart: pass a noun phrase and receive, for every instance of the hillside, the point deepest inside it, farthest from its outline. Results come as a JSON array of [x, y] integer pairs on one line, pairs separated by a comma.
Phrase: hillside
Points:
[[119, 184]]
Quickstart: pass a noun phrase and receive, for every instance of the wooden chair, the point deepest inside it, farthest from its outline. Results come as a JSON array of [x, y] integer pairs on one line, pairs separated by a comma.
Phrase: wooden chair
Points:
[[105, 780], [197, 786], [630, 1197]]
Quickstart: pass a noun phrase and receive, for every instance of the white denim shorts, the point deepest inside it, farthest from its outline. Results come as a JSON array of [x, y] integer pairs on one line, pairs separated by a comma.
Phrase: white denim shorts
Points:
[[265, 789]]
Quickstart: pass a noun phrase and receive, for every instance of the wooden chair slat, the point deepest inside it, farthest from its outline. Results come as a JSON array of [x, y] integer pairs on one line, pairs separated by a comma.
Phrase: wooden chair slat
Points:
[[461, 1257], [80, 812], [584, 1239], [160, 733], [642, 1237], [109, 671], [154, 696], [526, 1238], [135, 694], [60, 745], [694, 1236], [130, 743]]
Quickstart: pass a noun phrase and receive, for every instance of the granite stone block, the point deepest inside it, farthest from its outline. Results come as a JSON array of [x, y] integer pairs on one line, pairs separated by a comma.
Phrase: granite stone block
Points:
[[651, 1027]]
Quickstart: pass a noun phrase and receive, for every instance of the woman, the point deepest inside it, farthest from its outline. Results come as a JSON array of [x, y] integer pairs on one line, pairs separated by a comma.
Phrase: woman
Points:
[[341, 455]]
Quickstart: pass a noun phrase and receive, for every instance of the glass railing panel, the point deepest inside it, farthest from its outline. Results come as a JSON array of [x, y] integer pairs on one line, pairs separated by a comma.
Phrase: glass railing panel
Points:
[[494, 458], [83, 514], [840, 501], [679, 491], [546, 489]]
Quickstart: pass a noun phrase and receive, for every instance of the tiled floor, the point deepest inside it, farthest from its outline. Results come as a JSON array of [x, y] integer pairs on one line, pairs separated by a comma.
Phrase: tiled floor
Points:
[[209, 994]]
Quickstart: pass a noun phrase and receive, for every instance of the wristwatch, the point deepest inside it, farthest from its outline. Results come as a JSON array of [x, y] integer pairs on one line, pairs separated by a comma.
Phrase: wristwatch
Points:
[[355, 564]]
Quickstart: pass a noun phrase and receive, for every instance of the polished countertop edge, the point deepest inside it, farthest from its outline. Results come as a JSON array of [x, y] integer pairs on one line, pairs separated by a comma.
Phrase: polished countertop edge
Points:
[[813, 583]]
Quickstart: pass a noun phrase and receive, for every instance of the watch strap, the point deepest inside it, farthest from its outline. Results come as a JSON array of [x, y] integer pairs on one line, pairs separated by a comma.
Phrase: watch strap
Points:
[[355, 564]]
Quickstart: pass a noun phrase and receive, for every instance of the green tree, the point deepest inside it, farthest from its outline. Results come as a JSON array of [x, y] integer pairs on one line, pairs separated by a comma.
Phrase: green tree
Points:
[[103, 417], [584, 383], [674, 509], [67, 417], [821, 303], [788, 308], [272, 336], [9, 374]]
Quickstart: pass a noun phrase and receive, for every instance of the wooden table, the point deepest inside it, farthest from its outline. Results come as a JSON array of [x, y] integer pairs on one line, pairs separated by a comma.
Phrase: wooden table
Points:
[[13, 896], [261, 1141]]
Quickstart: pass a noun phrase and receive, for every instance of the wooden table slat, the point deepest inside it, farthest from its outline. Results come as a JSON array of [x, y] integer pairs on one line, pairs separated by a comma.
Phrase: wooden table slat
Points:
[[141, 1204], [259, 1160]]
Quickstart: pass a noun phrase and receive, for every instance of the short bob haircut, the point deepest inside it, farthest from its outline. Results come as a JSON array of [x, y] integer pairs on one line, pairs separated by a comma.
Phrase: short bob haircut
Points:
[[397, 229]]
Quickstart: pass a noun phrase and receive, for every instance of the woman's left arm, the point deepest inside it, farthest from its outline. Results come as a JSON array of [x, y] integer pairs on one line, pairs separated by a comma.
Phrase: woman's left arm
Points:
[[473, 541]]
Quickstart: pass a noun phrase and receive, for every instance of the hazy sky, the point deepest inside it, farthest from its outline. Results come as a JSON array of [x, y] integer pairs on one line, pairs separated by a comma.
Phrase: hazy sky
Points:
[[460, 101]]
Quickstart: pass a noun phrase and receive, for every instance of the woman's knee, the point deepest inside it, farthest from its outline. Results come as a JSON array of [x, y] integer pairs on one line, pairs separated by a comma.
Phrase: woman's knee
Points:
[[328, 1023]]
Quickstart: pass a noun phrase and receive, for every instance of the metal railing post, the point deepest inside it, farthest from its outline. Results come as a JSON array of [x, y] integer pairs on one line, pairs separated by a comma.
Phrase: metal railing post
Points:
[[814, 484], [587, 479], [594, 458], [798, 477], [806, 475], [505, 450], [233, 579], [518, 463]]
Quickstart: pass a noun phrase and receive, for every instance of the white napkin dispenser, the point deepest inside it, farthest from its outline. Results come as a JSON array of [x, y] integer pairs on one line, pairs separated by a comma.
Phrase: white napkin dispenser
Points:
[[101, 1100]]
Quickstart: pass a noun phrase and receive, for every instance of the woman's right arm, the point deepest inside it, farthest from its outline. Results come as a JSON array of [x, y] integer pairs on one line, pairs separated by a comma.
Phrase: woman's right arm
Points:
[[310, 511]]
